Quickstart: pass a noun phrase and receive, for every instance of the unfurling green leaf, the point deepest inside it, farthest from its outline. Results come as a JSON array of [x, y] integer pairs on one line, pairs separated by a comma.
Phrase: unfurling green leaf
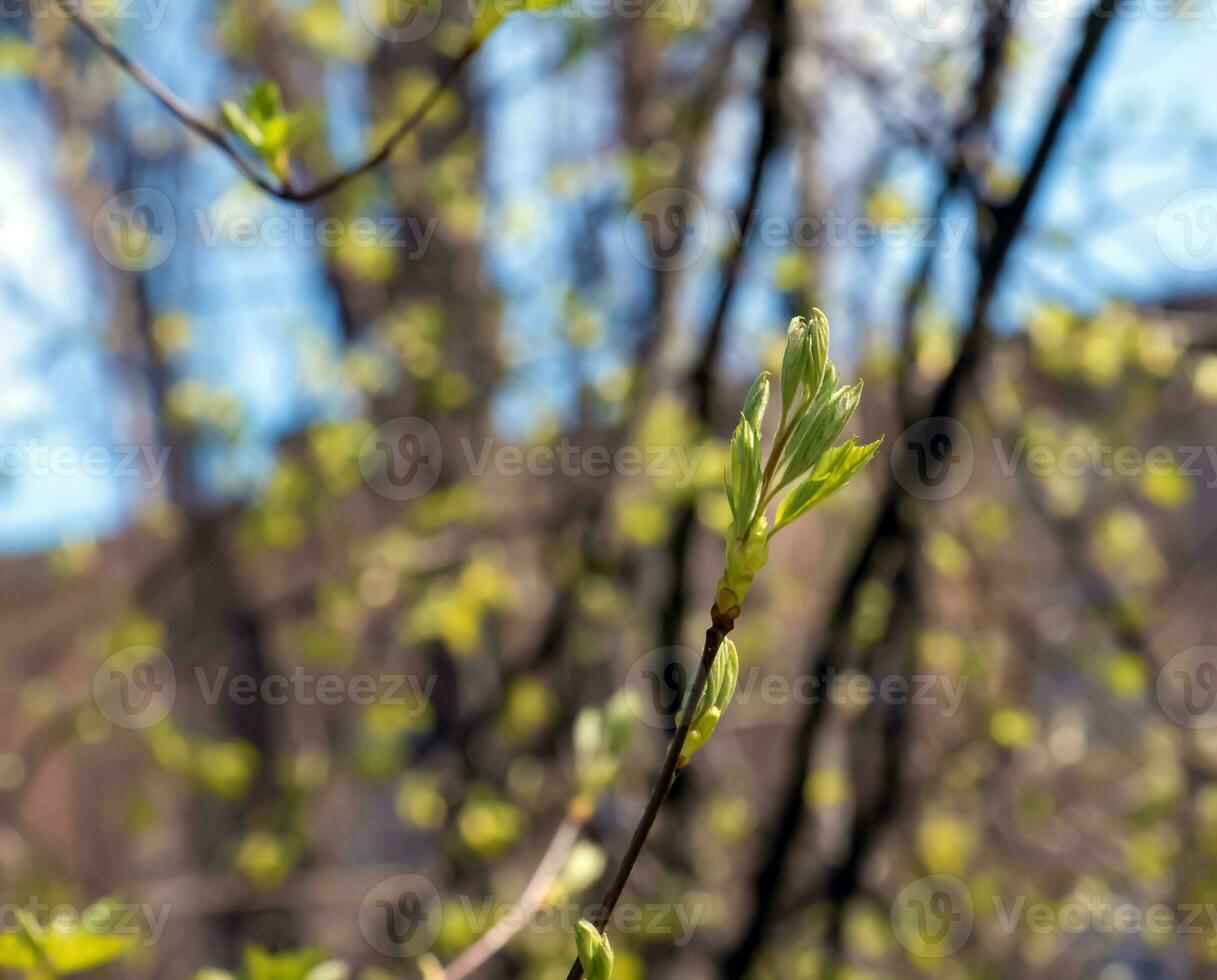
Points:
[[757, 400], [595, 951], [835, 469], [828, 383], [265, 101], [236, 120], [793, 362], [65, 945], [699, 733], [805, 360], [817, 356], [745, 474], [261, 122], [715, 696], [730, 675], [817, 430]]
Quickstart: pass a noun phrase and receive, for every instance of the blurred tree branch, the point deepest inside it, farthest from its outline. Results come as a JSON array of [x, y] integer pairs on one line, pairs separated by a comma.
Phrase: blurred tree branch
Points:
[[531, 899], [218, 139]]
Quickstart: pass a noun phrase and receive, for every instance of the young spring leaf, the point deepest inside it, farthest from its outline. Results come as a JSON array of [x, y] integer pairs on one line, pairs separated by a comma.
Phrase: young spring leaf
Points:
[[757, 400], [24, 949], [745, 474], [835, 469], [794, 362], [595, 952], [240, 124], [828, 384], [715, 696], [726, 688], [817, 430], [714, 681], [720, 684], [841, 463], [817, 352], [65, 945], [699, 733], [263, 124], [254, 119], [586, 941]]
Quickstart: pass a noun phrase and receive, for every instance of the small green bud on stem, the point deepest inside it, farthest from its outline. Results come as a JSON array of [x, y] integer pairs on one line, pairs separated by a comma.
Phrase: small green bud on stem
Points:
[[595, 951], [715, 696]]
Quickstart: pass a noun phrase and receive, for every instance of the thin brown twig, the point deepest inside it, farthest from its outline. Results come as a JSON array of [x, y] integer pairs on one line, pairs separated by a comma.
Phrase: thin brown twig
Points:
[[216, 137], [673, 762]]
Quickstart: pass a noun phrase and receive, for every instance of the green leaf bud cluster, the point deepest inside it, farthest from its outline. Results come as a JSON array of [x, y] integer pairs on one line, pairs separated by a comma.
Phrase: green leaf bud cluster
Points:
[[802, 457]]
